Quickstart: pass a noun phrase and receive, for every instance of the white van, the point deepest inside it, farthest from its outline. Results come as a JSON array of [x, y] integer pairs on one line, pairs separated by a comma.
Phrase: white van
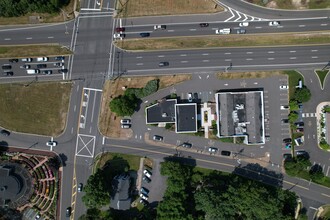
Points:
[[223, 31], [33, 71], [42, 59]]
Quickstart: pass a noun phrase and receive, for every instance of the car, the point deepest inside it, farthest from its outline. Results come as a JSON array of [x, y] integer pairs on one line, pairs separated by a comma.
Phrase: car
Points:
[[157, 138], [146, 179], [147, 173], [60, 58], [287, 146], [42, 59], [225, 153], [145, 34], [41, 65], [80, 187], [163, 64], [63, 71], [159, 27], [284, 107], [285, 121], [300, 130], [5, 132], [37, 217], [241, 31], [223, 31], [28, 60], [190, 97], [144, 202], [120, 29], [213, 149], [58, 64], [204, 24], [125, 121], [186, 145], [51, 143], [13, 60], [145, 191], [125, 126], [6, 67], [299, 124], [274, 23], [243, 24], [118, 36], [10, 73], [142, 196], [47, 72], [302, 153], [68, 212], [287, 156], [284, 87], [287, 140], [25, 67]]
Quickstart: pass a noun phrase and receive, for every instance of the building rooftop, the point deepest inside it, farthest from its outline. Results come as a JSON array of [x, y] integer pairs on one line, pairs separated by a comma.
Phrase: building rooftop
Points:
[[186, 117], [121, 199], [10, 185], [161, 112]]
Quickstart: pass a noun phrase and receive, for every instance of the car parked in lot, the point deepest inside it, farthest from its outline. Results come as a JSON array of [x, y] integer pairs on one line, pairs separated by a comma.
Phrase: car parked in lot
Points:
[[42, 59], [287, 145], [125, 126], [157, 138], [274, 23], [287, 140], [284, 87], [300, 130], [5, 132], [145, 34], [190, 97], [159, 27], [204, 24], [142, 196], [13, 60], [213, 149], [125, 121], [299, 124], [284, 107], [80, 187], [147, 173], [41, 66], [25, 67], [287, 156], [28, 60], [146, 179], [60, 58], [47, 72], [186, 145], [63, 71], [144, 190], [302, 153], [162, 64], [9, 73], [6, 67], [58, 64], [118, 36], [120, 29], [225, 153], [285, 121], [144, 202]]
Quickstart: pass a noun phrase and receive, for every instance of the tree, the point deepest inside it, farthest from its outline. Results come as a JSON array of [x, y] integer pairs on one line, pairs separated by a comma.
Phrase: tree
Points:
[[293, 105], [54, 162], [302, 95], [124, 105], [96, 191], [293, 117]]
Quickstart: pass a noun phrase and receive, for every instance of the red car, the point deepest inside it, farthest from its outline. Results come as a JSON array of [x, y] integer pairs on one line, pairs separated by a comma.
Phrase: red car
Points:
[[120, 29]]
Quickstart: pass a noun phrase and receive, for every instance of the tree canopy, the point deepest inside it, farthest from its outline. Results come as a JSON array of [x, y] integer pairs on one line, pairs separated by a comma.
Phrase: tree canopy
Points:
[[302, 95], [124, 105]]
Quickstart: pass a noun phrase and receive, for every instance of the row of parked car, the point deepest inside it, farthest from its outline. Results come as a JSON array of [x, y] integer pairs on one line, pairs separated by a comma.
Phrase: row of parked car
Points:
[[144, 192]]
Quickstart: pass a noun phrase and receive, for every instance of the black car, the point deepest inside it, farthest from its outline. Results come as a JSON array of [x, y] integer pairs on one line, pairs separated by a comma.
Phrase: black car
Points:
[[146, 179], [59, 58], [204, 24], [287, 157], [299, 124], [63, 71], [68, 212], [10, 73], [41, 66], [287, 140], [144, 190], [6, 67], [48, 72], [5, 132], [225, 153], [145, 34], [285, 121], [162, 64], [187, 145], [13, 60]]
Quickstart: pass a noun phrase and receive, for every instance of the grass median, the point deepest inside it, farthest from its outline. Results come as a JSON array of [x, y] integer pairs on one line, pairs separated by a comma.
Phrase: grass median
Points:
[[36, 108], [235, 40], [15, 51]]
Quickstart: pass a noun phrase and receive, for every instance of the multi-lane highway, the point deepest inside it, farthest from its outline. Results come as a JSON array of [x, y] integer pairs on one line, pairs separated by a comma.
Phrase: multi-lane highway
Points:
[[95, 58]]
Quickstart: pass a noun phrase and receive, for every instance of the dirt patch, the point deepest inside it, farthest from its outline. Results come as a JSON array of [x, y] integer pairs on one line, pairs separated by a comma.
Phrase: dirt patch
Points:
[[248, 75], [109, 123]]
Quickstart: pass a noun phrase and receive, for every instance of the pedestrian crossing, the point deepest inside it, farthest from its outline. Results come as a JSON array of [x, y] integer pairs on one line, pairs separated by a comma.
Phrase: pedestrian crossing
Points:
[[308, 115]]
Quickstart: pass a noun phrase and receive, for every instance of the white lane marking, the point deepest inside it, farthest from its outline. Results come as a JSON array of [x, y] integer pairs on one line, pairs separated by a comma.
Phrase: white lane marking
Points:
[[28, 38], [232, 15], [249, 52], [324, 24], [184, 61], [249, 59], [7, 38], [292, 51], [50, 37], [258, 27], [74, 108], [293, 58], [161, 56], [103, 140], [271, 52], [271, 58], [183, 55], [227, 53], [227, 59], [138, 57], [205, 61], [139, 64], [315, 57], [215, 29], [170, 31], [72, 130], [205, 54], [192, 29], [314, 50], [302, 25]]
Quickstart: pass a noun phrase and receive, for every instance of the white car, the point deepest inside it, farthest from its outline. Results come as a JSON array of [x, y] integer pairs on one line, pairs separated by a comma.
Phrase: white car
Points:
[[147, 173], [42, 59], [284, 107], [159, 27], [243, 24], [51, 143], [143, 196], [213, 149], [118, 36], [284, 87], [125, 121], [223, 31], [274, 23], [190, 97]]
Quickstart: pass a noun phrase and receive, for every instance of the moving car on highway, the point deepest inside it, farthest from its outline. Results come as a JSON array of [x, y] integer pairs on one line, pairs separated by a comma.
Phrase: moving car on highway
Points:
[[159, 27], [204, 24], [243, 24], [274, 23], [223, 31]]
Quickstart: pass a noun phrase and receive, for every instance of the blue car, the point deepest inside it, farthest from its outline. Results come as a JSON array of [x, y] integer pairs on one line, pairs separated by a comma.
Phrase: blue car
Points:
[[144, 34]]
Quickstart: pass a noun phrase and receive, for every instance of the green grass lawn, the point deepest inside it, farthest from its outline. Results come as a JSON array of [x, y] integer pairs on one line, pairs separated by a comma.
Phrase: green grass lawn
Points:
[[132, 160], [40, 108], [322, 75], [294, 78]]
